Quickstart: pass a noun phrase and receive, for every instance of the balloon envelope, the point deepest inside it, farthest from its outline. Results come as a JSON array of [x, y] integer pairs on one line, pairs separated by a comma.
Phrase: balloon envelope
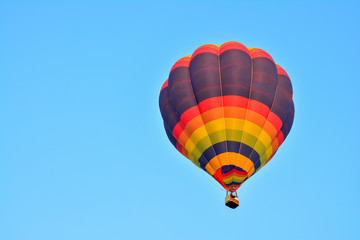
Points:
[[227, 109]]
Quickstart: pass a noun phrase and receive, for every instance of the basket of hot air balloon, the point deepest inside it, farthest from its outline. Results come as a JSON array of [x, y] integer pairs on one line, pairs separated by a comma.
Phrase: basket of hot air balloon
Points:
[[227, 109]]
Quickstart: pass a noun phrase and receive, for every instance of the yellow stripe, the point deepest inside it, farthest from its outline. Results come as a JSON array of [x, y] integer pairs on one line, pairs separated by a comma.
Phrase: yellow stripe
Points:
[[203, 137], [235, 159]]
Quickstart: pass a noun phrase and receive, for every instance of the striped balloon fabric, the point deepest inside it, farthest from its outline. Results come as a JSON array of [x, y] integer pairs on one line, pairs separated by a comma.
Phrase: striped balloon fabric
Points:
[[227, 109]]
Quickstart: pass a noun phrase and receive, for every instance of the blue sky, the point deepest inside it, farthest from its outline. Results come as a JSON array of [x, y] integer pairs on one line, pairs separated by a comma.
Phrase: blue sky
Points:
[[83, 154]]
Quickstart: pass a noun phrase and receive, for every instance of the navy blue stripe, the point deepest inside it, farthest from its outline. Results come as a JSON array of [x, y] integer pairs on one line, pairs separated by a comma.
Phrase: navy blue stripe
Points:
[[233, 146], [288, 123], [167, 110], [205, 76], [225, 168], [235, 65], [233, 183], [180, 90], [235, 72], [169, 135], [283, 100], [264, 81]]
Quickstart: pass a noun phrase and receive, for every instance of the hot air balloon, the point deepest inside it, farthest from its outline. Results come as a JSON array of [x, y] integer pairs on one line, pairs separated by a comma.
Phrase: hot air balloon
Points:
[[227, 109]]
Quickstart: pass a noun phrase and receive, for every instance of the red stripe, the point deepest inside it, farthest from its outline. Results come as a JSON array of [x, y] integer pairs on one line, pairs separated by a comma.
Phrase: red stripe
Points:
[[275, 120], [189, 114], [179, 147], [281, 71], [210, 103], [280, 138], [234, 172], [235, 187], [178, 129], [209, 48], [218, 177], [183, 62], [256, 53], [259, 107], [228, 101], [227, 175], [233, 45], [164, 85], [235, 101]]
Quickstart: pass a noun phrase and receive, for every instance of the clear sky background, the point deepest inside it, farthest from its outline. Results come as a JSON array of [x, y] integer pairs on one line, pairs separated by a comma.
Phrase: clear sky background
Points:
[[83, 153]]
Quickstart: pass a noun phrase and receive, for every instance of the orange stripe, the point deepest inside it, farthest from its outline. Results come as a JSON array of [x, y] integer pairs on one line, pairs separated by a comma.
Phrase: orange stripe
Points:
[[190, 114], [275, 144], [240, 113]]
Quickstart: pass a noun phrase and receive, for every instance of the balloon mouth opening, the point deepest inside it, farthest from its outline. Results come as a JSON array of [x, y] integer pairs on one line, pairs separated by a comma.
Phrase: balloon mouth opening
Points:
[[233, 189], [229, 184]]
